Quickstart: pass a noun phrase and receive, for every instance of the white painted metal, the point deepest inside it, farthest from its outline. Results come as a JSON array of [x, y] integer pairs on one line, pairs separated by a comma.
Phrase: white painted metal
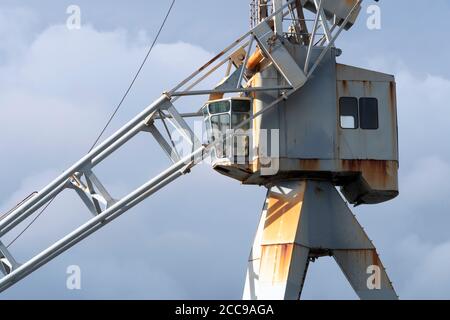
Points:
[[335, 36], [101, 220], [278, 19], [313, 37], [81, 177], [280, 56], [243, 67]]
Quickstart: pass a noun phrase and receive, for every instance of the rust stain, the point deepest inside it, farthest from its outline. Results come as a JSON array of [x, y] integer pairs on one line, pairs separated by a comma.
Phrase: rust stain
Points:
[[350, 2], [364, 257], [392, 95], [284, 261], [216, 96], [367, 85], [378, 173], [310, 164], [358, 165], [254, 60], [375, 259], [275, 262], [345, 87], [392, 104]]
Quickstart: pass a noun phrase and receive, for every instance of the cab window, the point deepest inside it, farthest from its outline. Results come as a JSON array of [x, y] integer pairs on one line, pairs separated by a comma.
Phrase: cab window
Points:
[[368, 110], [348, 112]]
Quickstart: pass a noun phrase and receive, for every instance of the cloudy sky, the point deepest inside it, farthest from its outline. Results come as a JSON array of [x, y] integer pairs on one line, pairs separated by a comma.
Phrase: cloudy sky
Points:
[[191, 241]]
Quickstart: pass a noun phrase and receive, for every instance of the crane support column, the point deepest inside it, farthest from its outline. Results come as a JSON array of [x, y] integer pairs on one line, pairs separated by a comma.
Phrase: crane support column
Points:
[[302, 221]]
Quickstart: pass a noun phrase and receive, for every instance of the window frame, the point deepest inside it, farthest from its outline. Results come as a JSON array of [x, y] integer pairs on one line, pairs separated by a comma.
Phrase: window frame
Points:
[[356, 127], [361, 113], [209, 116]]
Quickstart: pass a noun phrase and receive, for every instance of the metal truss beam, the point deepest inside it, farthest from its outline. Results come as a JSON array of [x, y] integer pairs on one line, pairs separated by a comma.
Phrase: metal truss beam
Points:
[[93, 193]]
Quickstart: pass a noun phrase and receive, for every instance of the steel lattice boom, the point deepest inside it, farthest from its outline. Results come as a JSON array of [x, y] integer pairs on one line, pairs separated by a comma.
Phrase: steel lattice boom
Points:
[[263, 44]]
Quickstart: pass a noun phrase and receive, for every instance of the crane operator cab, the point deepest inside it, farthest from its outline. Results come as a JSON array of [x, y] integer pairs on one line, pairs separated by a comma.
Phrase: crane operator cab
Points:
[[222, 120], [340, 127]]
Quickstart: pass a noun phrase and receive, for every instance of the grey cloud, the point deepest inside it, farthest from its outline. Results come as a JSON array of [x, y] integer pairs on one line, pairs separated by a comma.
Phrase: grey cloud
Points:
[[192, 239]]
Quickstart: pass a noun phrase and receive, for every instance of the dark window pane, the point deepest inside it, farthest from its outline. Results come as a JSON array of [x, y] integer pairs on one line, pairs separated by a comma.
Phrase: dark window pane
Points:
[[237, 118], [241, 105], [368, 110], [348, 112], [219, 107]]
